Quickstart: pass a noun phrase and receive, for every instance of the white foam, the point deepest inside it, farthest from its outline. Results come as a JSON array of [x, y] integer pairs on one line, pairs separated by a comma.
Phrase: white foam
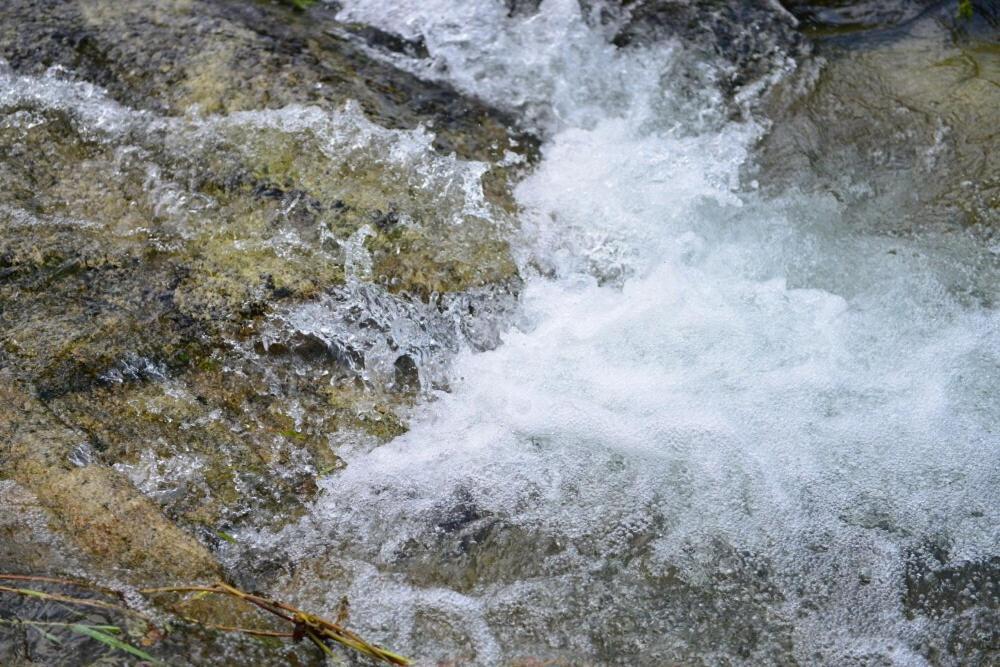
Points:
[[551, 66], [694, 366], [57, 89], [700, 379]]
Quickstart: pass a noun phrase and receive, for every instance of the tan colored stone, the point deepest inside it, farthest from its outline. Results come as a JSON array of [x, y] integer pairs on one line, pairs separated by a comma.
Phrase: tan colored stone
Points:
[[123, 533]]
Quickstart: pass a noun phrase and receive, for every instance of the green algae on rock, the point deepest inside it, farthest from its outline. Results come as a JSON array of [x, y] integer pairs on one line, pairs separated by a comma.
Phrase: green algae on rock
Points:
[[180, 179]]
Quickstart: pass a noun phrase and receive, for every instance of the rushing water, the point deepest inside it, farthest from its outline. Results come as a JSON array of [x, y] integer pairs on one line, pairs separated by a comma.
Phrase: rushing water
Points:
[[723, 425], [726, 427]]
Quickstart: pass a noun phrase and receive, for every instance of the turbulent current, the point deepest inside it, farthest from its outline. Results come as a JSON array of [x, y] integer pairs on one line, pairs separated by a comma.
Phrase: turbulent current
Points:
[[725, 426], [727, 418]]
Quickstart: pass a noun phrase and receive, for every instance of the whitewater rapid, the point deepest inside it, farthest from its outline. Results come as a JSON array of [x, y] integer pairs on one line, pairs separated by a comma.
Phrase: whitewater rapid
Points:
[[723, 424]]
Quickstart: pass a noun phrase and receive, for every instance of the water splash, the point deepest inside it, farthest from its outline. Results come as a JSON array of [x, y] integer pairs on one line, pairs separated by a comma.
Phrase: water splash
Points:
[[552, 67], [726, 428]]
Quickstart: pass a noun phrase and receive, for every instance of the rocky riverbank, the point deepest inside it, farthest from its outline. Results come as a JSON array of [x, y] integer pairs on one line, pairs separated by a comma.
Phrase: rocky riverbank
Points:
[[182, 183]]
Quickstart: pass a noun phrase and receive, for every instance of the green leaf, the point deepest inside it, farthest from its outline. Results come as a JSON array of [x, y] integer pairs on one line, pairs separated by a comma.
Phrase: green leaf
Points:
[[113, 642], [48, 635], [33, 593], [106, 628], [226, 536], [292, 434]]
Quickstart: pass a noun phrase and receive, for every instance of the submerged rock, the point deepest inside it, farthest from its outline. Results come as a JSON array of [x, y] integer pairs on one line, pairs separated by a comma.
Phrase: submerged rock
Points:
[[738, 49], [749, 41], [838, 17], [899, 126], [965, 594]]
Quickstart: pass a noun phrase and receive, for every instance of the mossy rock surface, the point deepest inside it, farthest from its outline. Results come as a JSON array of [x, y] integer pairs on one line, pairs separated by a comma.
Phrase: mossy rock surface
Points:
[[237, 55], [180, 177]]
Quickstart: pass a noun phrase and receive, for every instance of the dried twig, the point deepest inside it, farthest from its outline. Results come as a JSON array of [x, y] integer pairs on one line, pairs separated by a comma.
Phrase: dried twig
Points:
[[316, 629], [42, 595], [306, 625]]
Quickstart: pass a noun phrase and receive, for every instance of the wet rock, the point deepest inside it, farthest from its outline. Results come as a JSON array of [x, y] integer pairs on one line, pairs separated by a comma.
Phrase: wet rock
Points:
[[672, 616], [387, 41], [178, 179], [82, 519], [232, 56], [916, 109], [481, 552], [840, 17], [963, 598], [407, 376], [140, 251], [186, 643], [122, 532], [405, 260], [936, 587], [27, 543], [847, 21], [752, 39], [748, 43]]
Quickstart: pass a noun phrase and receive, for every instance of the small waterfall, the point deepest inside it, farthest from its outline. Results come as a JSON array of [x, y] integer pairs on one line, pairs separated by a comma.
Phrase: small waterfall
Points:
[[726, 426]]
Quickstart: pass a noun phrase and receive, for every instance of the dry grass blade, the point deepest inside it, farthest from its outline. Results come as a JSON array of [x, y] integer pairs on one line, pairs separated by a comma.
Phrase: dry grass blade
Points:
[[318, 630], [42, 595], [68, 599], [248, 631], [57, 580]]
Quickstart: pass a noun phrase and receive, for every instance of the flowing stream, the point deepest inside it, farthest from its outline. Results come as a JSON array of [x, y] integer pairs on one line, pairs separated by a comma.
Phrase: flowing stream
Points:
[[713, 416], [725, 427]]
